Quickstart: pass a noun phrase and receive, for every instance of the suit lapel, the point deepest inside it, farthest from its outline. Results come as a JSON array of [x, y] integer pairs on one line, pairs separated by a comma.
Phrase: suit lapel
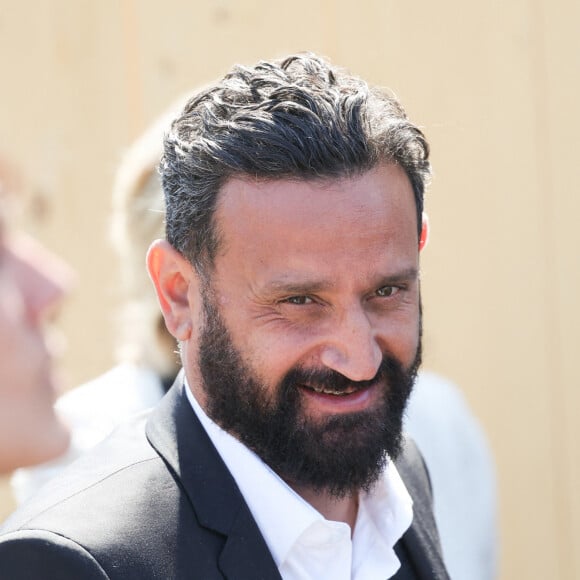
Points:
[[421, 540], [245, 554], [177, 435]]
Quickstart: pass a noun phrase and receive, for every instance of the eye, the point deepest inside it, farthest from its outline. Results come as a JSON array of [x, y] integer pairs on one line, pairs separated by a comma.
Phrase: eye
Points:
[[298, 300], [387, 291]]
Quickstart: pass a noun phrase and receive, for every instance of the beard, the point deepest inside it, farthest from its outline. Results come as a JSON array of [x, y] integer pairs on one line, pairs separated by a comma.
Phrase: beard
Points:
[[338, 454]]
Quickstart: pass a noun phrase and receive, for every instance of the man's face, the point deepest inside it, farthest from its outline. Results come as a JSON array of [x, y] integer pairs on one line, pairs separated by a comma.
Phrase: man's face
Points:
[[32, 284], [311, 320]]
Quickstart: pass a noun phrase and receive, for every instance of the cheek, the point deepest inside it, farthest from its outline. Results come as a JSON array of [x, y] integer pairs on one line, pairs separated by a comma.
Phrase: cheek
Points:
[[400, 336], [405, 346], [19, 344], [27, 395], [271, 356]]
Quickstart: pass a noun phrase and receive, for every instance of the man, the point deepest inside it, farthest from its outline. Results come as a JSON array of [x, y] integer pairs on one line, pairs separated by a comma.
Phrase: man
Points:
[[294, 198], [33, 283], [437, 418]]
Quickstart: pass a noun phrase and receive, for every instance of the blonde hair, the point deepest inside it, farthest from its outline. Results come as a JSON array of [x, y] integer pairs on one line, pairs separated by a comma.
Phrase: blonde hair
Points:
[[138, 218]]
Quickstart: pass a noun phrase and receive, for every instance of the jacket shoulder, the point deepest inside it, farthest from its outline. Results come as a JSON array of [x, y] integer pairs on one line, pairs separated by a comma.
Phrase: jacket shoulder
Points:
[[118, 459], [40, 554], [119, 511]]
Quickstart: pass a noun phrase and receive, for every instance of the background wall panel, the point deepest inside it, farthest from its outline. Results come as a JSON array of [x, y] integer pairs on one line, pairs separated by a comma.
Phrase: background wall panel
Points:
[[496, 87]]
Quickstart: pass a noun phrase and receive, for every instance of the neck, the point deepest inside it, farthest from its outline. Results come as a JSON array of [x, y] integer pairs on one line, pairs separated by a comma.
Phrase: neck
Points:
[[338, 510]]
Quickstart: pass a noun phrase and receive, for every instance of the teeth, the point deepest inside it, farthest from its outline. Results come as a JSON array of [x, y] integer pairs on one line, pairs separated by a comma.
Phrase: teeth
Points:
[[328, 391]]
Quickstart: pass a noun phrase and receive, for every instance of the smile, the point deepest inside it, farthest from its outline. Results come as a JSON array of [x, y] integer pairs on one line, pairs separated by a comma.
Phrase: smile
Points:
[[326, 400], [321, 389]]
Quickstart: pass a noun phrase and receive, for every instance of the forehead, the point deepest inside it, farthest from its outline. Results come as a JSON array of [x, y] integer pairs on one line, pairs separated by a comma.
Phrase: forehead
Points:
[[320, 224], [380, 194]]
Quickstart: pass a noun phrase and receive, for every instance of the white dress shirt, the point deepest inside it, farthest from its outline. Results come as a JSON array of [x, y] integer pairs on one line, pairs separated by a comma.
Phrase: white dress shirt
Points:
[[303, 544]]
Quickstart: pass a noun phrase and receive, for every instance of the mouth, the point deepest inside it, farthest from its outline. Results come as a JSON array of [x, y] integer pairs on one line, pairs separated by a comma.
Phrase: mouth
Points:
[[323, 390], [322, 400]]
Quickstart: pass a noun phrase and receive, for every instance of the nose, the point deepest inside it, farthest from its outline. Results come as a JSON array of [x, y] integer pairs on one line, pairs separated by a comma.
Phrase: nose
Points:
[[352, 348], [43, 278]]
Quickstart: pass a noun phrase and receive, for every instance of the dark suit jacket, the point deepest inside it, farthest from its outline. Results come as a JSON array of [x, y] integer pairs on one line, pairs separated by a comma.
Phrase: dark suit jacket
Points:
[[155, 500]]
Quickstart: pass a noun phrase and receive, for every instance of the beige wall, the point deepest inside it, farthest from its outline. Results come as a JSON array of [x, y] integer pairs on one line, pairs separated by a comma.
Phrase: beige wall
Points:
[[495, 85]]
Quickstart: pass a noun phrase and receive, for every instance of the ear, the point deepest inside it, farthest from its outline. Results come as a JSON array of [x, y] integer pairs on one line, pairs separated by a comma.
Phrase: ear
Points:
[[172, 276], [424, 237]]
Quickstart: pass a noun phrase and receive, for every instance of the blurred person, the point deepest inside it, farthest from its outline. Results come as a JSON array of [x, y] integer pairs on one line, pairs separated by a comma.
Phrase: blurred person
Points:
[[33, 283], [146, 352], [437, 417], [462, 471], [278, 452]]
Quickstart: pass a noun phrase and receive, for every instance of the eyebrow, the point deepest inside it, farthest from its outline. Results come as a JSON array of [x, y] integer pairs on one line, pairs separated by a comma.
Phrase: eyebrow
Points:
[[286, 285], [407, 274], [294, 287]]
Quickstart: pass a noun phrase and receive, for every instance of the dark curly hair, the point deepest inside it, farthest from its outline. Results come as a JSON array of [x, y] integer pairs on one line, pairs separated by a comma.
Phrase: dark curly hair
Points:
[[298, 118]]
